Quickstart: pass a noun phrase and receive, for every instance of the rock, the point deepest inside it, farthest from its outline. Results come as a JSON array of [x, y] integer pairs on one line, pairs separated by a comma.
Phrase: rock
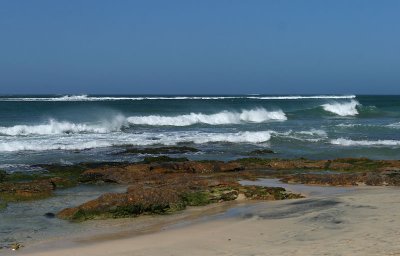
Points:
[[167, 195], [16, 246], [62, 183], [267, 193], [228, 167], [23, 191], [122, 175], [163, 159], [341, 179], [116, 205], [49, 215], [261, 152], [3, 176], [341, 164]]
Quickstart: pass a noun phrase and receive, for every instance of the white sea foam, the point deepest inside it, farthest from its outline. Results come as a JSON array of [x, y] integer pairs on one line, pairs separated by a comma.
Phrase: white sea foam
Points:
[[303, 97], [109, 98], [312, 135], [258, 115], [348, 142], [395, 125], [117, 123], [84, 141], [45, 145], [89, 141], [63, 127], [342, 108]]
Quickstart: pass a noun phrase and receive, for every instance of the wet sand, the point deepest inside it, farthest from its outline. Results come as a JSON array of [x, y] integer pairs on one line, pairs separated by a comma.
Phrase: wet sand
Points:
[[362, 221]]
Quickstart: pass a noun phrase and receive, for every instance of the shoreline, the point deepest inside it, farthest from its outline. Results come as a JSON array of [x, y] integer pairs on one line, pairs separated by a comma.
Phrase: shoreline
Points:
[[199, 194], [358, 222]]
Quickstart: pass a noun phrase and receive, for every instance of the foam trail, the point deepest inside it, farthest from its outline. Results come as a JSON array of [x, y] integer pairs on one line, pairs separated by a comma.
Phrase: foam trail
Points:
[[258, 115], [83, 141], [342, 109], [99, 140], [14, 146], [347, 142], [109, 98], [57, 127]]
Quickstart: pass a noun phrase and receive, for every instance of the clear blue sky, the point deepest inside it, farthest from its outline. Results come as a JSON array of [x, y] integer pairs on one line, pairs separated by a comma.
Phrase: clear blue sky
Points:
[[200, 46]]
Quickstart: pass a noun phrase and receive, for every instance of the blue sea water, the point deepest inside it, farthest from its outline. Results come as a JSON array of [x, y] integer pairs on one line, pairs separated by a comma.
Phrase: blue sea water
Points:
[[69, 129]]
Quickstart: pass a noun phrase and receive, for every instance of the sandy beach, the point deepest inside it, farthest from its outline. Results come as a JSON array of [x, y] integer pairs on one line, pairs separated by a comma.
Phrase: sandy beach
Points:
[[364, 221]]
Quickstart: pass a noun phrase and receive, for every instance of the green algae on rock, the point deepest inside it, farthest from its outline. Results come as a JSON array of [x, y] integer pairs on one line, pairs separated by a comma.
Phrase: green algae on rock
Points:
[[166, 199]]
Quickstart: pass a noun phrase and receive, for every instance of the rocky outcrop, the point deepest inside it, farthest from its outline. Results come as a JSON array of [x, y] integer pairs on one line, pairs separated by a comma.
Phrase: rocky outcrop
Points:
[[391, 178], [170, 195], [132, 173], [32, 190], [340, 164], [26, 190]]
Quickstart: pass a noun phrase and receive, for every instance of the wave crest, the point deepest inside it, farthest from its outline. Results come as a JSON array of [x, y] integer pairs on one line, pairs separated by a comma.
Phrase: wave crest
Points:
[[63, 127], [257, 115], [342, 108]]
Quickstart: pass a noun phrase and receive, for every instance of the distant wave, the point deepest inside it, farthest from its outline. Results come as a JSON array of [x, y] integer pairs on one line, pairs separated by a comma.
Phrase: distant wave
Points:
[[342, 108], [108, 98], [257, 115], [348, 142], [304, 97]]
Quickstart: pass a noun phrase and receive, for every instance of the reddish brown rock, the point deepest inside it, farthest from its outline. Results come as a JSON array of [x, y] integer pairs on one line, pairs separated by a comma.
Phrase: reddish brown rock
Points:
[[26, 190]]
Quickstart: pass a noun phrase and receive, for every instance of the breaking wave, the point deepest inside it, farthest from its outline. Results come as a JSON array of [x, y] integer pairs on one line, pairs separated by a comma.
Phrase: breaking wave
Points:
[[117, 123], [258, 115], [347, 142], [342, 108], [63, 127]]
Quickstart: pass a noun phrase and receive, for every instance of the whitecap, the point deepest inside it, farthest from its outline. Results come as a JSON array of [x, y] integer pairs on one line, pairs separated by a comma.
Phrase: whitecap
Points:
[[342, 108], [257, 115]]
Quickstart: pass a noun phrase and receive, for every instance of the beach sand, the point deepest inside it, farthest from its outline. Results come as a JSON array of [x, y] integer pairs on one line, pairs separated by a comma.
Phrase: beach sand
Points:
[[365, 221]]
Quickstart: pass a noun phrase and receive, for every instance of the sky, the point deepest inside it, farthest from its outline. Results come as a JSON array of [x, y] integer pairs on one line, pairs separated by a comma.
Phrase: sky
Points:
[[199, 47]]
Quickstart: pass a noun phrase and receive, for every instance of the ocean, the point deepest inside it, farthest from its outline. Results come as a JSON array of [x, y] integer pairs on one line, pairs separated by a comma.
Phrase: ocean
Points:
[[89, 128]]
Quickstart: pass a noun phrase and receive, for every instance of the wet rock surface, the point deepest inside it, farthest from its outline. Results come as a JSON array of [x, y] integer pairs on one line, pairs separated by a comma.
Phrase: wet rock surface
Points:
[[386, 178], [169, 195], [23, 191], [162, 184]]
